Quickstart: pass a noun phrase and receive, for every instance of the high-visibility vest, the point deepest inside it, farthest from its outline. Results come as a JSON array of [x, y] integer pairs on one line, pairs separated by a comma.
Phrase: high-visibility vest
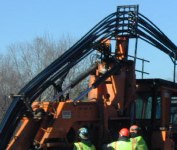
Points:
[[121, 145], [138, 143], [83, 146]]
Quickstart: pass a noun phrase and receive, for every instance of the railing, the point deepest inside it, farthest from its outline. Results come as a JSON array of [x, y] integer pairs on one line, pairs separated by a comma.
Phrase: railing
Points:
[[142, 68]]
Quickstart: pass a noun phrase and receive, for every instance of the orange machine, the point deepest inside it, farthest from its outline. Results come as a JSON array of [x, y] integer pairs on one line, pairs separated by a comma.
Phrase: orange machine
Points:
[[55, 124], [115, 98]]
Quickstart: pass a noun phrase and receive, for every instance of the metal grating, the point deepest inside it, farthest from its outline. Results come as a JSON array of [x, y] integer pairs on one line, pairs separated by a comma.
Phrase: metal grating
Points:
[[127, 20]]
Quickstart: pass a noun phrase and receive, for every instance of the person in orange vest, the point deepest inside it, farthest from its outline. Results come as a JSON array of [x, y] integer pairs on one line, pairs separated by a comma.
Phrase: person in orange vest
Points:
[[85, 143], [137, 140], [123, 142]]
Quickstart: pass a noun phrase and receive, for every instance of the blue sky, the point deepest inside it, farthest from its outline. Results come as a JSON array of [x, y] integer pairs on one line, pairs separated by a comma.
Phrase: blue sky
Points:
[[23, 20]]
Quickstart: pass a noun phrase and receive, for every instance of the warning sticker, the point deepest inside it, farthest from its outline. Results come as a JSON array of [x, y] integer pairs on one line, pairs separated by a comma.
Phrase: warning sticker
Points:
[[66, 114]]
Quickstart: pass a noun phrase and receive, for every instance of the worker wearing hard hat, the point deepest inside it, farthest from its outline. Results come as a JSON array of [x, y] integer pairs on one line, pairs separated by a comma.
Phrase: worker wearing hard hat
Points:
[[85, 143], [137, 140], [123, 142]]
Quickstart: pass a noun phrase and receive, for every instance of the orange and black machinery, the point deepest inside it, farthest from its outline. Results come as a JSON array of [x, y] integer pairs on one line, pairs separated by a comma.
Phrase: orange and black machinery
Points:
[[114, 98]]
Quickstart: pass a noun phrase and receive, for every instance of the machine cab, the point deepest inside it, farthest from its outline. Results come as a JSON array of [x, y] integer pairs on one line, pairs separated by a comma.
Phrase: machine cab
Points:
[[156, 111]]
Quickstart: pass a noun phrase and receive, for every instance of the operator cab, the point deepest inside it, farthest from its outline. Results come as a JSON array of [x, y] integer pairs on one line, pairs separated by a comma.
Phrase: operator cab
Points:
[[156, 111]]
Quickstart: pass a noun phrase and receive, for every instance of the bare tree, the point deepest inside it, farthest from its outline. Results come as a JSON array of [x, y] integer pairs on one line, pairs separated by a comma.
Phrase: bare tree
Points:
[[8, 80], [25, 60], [30, 58]]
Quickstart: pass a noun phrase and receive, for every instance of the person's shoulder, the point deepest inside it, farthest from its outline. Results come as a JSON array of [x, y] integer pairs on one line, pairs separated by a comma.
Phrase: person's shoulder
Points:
[[76, 145], [139, 137], [141, 140], [122, 142], [112, 143], [93, 147]]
